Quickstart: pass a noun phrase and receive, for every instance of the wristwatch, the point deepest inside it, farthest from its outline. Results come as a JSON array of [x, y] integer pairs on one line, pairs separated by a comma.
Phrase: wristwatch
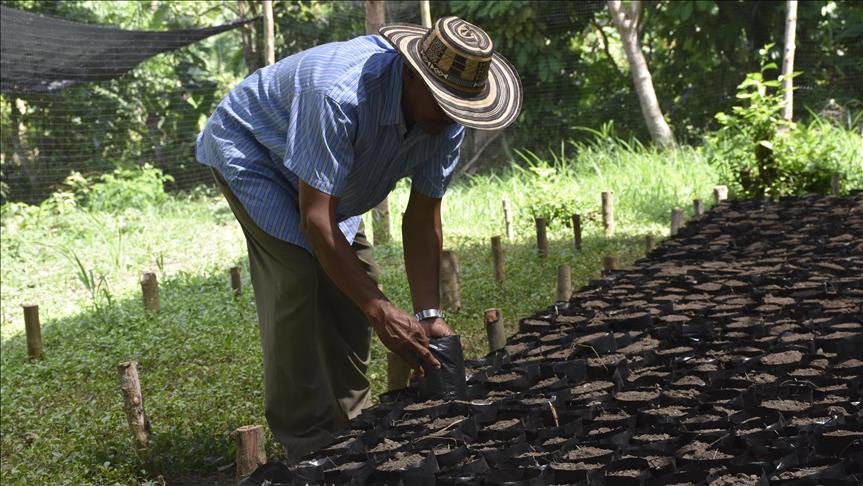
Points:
[[428, 314]]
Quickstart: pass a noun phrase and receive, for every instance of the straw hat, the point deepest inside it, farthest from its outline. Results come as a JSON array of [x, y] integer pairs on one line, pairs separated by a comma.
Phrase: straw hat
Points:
[[473, 84]]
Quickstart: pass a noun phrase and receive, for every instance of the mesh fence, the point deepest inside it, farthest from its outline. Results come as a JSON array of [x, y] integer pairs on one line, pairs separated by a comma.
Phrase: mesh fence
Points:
[[568, 54]]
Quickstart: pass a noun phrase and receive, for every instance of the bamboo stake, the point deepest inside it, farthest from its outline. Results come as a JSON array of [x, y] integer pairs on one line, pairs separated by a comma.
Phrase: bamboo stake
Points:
[[33, 329], [649, 243], [497, 257], [494, 329], [609, 263], [564, 283], [398, 372], [720, 193], [698, 205], [449, 280], [507, 220], [541, 238], [676, 220], [576, 231], [150, 289], [608, 213], [250, 449], [381, 223], [133, 404], [236, 281]]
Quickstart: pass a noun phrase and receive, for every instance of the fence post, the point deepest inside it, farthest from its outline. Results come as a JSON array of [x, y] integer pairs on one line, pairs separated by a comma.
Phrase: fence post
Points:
[[698, 205], [608, 213], [236, 281], [541, 238], [676, 220], [649, 243], [449, 280], [494, 329], [133, 404], [564, 283], [497, 258], [381, 223], [576, 230], [507, 220], [720, 193], [150, 289], [33, 329], [250, 449], [834, 185]]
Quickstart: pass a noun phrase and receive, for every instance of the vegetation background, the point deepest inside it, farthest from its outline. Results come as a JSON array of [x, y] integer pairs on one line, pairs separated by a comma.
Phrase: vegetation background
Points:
[[99, 184]]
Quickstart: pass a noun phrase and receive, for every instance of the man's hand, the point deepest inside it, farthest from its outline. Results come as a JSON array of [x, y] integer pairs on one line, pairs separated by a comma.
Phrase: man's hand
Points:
[[436, 327], [403, 335]]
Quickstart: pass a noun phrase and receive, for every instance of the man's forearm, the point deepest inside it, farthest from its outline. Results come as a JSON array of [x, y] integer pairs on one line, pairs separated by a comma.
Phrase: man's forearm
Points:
[[423, 239], [341, 264]]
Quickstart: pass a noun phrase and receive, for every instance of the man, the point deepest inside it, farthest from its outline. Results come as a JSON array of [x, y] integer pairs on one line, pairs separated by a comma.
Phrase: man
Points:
[[301, 149]]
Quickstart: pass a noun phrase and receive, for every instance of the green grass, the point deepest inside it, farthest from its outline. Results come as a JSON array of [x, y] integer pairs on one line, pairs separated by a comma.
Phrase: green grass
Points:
[[62, 417]]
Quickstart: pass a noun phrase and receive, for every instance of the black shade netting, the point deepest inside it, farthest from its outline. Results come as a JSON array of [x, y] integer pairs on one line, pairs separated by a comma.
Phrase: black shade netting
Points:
[[40, 54]]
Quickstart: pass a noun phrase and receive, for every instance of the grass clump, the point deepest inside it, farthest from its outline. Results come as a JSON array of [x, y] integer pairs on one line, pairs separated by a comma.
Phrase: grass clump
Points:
[[200, 364]]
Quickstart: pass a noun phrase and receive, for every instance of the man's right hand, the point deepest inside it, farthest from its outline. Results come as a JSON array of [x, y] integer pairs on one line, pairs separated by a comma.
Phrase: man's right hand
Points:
[[402, 334]]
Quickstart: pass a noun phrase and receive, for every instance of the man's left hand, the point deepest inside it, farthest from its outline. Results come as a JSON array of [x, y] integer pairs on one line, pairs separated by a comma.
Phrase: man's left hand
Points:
[[436, 327]]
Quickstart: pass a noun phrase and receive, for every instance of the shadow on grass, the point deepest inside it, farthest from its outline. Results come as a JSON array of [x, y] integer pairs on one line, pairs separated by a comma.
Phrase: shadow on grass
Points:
[[201, 378]]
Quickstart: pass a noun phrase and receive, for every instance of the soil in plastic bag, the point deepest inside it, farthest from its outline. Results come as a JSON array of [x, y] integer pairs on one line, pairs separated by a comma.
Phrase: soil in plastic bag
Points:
[[449, 380]]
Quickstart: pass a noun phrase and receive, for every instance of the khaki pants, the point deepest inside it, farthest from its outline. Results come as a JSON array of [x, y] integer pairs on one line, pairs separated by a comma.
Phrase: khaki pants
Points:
[[315, 341]]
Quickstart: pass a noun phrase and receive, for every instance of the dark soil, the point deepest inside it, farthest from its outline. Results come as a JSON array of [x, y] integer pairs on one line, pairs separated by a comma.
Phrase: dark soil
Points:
[[401, 463], [585, 452], [701, 451], [738, 479]]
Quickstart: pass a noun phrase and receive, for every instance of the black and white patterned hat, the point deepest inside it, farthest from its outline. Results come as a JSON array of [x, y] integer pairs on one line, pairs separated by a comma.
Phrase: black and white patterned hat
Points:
[[473, 84]]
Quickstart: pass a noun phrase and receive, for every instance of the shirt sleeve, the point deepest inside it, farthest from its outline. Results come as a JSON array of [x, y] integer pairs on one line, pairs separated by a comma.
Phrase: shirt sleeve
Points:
[[319, 148], [433, 177]]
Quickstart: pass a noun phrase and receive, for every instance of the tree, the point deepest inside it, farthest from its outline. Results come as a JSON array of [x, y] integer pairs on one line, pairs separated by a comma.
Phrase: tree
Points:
[[788, 59], [626, 21]]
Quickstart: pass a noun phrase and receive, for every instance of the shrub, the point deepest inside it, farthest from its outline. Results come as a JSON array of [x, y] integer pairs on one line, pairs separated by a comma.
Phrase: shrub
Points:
[[123, 188], [757, 153]]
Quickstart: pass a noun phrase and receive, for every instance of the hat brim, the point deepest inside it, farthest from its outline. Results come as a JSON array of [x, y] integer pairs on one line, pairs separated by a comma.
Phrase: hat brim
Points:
[[495, 107]]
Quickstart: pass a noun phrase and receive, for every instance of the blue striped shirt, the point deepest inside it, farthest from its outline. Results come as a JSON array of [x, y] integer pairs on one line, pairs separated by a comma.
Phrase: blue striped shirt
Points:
[[330, 116]]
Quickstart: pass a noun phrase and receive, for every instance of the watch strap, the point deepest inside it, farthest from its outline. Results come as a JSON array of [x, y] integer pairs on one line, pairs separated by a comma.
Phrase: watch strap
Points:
[[428, 314]]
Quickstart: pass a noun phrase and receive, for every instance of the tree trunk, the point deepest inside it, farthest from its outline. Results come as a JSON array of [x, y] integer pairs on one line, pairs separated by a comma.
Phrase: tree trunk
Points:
[[269, 34], [160, 160], [788, 59], [251, 53], [375, 16], [19, 154], [425, 13], [626, 21]]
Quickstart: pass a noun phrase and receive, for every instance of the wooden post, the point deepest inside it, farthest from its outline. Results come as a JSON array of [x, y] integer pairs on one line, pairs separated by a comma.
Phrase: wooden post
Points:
[[649, 243], [250, 449], [576, 230], [834, 185], [608, 213], [507, 220], [449, 280], [609, 263], [720, 193], [375, 16], [381, 223], [698, 205], [398, 372], [676, 220], [497, 257], [494, 329], [564, 283], [425, 13], [269, 34], [150, 289], [133, 404], [236, 281], [33, 329], [541, 238]]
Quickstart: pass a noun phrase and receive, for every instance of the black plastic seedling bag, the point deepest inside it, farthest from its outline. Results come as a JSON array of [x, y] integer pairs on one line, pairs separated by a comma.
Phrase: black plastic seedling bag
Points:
[[449, 380]]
